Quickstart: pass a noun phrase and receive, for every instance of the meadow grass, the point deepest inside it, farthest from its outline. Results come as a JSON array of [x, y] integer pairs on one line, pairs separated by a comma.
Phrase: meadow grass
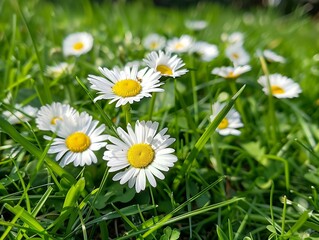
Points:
[[261, 184]]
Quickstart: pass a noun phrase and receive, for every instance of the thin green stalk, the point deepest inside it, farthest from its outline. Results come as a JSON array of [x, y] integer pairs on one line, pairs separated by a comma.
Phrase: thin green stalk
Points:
[[153, 200], [189, 207], [45, 95], [283, 215], [238, 103], [150, 112], [203, 140], [273, 127], [193, 81], [10, 53], [127, 112]]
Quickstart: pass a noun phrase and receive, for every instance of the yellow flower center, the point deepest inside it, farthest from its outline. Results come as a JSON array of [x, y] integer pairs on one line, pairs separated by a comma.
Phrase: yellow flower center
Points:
[[78, 142], [78, 46], [232, 75], [165, 70], [55, 119], [223, 124], [235, 55], [179, 46], [277, 90], [140, 155], [154, 45], [127, 88]]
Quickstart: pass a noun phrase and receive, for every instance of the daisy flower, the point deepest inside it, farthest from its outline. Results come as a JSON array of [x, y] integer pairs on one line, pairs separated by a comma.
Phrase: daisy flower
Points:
[[52, 115], [231, 72], [59, 70], [237, 54], [233, 38], [280, 86], [77, 44], [125, 86], [273, 57], [141, 154], [179, 45], [21, 114], [165, 64], [230, 124], [206, 51], [77, 140], [196, 24], [154, 41]]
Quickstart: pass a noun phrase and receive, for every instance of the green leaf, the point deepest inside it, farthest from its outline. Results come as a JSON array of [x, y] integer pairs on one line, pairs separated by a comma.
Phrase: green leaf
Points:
[[170, 234], [204, 138], [6, 127], [300, 222], [27, 218], [221, 234]]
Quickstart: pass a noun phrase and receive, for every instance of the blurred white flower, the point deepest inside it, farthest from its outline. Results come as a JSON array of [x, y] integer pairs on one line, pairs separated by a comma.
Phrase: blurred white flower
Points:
[[233, 38], [273, 57], [196, 24], [231, 72], [59, 70], [206, 51], [237, 54], [20, 114], [77, 44], [165, 64], [154, 41], [280, 86], [179, 45], [230, 124], [51, 116]]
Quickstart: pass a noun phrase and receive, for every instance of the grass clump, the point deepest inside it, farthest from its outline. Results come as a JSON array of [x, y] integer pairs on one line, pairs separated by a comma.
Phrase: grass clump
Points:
[[229, 155]]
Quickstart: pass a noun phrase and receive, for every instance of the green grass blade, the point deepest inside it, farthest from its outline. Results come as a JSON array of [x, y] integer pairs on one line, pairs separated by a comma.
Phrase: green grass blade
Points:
[[32, 149], [203, 139], [27, 218], [106, 118], [300, 222]]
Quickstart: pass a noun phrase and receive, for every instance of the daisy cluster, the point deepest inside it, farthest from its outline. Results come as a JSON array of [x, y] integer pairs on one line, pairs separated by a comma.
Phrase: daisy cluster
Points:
[[141, 153]]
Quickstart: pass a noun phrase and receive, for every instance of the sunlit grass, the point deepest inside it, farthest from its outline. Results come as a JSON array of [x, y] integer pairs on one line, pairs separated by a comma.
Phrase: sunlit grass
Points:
[[258, 185]]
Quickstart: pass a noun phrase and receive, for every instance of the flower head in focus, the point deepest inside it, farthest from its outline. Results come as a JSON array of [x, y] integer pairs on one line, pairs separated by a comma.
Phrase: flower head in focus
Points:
[[230, 124], [126, 85], [165, 64], [78, 139], [280, 86], [140, 154]]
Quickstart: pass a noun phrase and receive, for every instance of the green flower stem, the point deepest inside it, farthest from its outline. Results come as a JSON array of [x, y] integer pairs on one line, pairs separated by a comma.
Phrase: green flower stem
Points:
[[203, 140], [238, 103], [283, 215], [127, 112], [273, 126], [193, 81], [150, 112]]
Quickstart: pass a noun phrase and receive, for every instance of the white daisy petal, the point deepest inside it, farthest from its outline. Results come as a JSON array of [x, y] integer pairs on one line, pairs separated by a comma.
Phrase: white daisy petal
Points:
[[126, 85], [135, 155], [79, 138]]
